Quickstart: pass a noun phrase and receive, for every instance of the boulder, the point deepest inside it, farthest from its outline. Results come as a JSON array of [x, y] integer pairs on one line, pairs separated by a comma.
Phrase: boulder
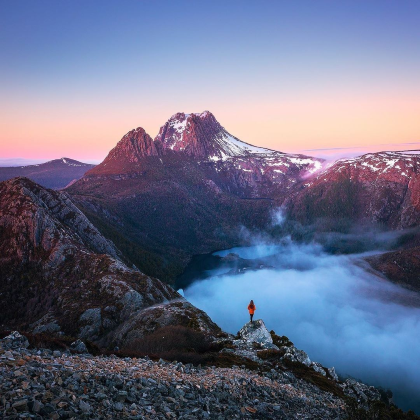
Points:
[[364, 394], [79, 347], [317, 367], [333, 374], [91, 319], [15, 340], [256, 332], [295, 355]]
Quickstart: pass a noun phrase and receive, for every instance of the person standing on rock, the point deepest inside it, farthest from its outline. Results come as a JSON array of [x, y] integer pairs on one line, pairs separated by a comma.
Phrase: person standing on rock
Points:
[[251, 309]]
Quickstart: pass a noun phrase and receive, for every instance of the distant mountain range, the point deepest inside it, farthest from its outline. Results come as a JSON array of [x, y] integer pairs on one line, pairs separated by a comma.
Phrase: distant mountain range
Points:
[[56, 174], [194, 187]]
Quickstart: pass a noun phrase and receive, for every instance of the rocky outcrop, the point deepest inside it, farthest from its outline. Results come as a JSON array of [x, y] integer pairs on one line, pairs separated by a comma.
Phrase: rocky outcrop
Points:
[[364, 394], [78, 347], [149, 319], [254, 341], [256, 332], [33, 218], [294, 355], [127, 155], [59, 275]]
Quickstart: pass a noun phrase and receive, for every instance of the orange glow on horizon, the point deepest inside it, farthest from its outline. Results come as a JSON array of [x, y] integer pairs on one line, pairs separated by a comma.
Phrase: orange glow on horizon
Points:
[[291, 124]]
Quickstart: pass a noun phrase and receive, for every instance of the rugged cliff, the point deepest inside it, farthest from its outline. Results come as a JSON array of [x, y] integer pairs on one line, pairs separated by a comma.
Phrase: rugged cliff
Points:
[[60, 275]]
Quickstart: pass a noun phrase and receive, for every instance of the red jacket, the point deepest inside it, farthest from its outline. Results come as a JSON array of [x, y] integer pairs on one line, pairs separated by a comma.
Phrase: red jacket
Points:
[[251, 309]]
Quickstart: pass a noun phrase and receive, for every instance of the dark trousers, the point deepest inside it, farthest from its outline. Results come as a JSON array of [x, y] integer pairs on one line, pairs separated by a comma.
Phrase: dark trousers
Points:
[[251, 315]]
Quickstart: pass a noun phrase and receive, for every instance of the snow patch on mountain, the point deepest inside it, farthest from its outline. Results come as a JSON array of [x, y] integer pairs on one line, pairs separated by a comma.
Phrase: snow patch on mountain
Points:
[[71, 162], [379, 163]]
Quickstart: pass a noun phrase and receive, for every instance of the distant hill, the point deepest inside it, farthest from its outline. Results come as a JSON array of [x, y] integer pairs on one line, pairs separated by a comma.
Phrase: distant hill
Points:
[[56, 174]]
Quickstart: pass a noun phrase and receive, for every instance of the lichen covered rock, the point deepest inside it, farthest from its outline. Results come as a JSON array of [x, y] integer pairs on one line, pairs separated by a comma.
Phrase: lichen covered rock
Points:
[[295, 355], [256, 332]]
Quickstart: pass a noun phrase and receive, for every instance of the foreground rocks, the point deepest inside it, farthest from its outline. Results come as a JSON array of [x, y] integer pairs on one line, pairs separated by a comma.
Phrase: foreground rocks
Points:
[[254, 336], [42, 384]]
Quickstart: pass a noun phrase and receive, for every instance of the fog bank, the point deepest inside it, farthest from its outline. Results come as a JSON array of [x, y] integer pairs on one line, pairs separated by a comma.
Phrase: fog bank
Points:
[[329, 306]]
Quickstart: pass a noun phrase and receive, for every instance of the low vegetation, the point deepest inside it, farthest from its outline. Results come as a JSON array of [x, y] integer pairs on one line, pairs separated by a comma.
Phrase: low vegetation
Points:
[[282, 341]]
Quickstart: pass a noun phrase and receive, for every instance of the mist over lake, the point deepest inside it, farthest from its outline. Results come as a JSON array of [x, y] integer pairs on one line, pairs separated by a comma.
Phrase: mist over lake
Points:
[[331, 306]]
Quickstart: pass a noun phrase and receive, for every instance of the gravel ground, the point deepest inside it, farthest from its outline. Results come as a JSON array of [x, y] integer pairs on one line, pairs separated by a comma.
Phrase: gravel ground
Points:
[[46, 384]]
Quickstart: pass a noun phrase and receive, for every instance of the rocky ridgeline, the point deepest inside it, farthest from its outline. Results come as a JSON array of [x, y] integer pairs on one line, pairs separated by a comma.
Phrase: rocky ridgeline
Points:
[[41, 383], [254, 336]]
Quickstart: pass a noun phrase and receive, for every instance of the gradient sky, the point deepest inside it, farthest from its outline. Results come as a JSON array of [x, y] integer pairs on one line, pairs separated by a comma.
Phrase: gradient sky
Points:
[[293, 75]]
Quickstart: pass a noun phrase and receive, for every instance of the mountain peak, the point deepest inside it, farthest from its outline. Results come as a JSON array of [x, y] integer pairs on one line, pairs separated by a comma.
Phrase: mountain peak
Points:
[[128, 152], [202, 136], [184, 115], [197, 135], [134, 145]]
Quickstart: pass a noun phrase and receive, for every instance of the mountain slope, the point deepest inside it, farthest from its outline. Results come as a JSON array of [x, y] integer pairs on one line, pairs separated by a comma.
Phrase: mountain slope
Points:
[[163, 215], [55, 174], [401, 267], [377, 188], [59, 274]]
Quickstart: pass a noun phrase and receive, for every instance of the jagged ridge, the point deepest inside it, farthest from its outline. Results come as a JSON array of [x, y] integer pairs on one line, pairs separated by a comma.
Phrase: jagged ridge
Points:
[[60, 275]]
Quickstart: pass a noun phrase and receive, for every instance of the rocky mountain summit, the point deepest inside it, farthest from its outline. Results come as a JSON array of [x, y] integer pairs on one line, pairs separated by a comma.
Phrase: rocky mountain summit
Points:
[[45, 383], [230, 164], [254, 336], [57, 173], [200, 136]]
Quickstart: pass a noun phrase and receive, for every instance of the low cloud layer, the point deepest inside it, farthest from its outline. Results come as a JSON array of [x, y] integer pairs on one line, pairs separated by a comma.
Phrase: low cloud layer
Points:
[[329, 306]]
